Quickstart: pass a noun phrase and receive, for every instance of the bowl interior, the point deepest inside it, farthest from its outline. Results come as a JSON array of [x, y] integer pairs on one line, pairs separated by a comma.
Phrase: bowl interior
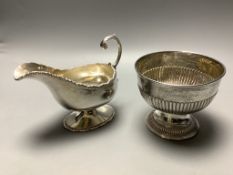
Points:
[[91, 75], [179, 68]]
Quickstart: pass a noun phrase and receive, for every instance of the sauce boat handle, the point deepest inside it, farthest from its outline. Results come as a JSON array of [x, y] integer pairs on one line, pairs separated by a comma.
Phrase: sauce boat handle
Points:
[[104, 45]]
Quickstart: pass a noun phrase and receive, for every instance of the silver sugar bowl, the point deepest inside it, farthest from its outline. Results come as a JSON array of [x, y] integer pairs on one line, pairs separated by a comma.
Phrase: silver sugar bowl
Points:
[[177, 84]]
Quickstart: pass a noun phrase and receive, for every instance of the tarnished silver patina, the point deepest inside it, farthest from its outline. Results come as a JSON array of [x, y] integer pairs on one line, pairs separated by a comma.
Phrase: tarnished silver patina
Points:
[[177, 84], [85, 90]]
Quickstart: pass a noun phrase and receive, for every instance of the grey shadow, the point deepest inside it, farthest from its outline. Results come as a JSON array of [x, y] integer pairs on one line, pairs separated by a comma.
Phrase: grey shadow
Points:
[[207, 139], [54, 132]]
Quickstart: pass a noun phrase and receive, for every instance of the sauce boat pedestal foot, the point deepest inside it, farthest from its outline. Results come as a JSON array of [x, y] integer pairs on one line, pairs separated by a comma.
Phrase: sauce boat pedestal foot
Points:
[[89, 119]]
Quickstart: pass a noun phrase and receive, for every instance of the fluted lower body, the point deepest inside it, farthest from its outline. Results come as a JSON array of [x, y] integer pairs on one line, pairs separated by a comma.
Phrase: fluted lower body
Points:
[[176, 107], [173, 120]]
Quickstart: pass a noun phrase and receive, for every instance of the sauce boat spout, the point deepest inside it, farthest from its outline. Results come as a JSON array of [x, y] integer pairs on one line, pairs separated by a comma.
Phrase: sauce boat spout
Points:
[[29, 69]]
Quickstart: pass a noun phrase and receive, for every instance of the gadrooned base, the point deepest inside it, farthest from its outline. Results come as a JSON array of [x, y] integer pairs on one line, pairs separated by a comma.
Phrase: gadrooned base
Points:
[[172, 126], [89, 120]]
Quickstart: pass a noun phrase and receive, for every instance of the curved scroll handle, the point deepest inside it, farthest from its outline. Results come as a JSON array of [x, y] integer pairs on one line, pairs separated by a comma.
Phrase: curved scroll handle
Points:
[[104, 45]]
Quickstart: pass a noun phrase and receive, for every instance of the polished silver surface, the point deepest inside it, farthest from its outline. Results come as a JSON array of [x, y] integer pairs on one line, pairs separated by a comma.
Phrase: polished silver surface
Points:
[[80, 89], [177, 84]]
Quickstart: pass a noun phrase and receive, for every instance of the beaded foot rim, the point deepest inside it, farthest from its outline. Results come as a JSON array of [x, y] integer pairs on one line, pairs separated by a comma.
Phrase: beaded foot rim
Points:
[[170, 131]]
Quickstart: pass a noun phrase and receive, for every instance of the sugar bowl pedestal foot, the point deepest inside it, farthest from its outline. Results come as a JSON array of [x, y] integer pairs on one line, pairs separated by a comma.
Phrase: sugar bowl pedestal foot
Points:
[[172, 126]]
